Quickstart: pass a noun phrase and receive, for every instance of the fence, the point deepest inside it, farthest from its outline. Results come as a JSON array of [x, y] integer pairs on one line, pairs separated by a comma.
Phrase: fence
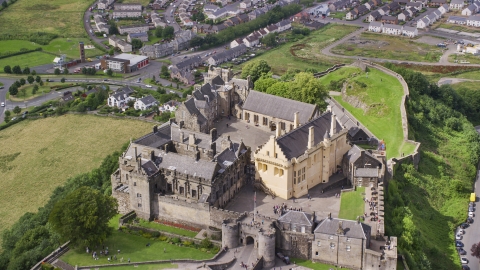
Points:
[[52, 256]]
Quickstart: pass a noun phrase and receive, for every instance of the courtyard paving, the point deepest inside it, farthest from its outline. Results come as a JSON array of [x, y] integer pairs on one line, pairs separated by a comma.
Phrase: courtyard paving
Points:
[[239, 130]]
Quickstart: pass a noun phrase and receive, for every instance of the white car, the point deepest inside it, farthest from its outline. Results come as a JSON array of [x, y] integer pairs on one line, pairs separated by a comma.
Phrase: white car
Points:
[[3, 104], [461, 231], [148, 86], [470, 214], [458, 237], [464, 260]]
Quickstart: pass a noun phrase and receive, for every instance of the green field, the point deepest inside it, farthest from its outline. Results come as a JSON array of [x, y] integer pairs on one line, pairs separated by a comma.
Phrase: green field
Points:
[[143, 2], [39, 155], [61, 17], [389, 47], [313, 265], [29, 91], [143, 267], [32, 59], [344, 72], [466, 85], [457, 27], [338, 15], [165, 228], [306, 53], [352, 204], [466, 57], [382, 94], [16, 45]]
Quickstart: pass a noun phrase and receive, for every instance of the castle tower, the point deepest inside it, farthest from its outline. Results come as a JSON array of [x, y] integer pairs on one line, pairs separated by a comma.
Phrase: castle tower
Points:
[[229, 235], [266, 248], [82, 51]]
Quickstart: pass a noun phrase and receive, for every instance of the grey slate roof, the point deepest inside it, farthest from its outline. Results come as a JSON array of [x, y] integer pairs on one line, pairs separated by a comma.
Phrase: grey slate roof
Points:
[[195, 60], [296, 217], [278, 107], [294, 143], [474, 18], [192, 109], [356, 152], [366, 172], [148, 100], [351, 228], [137, 35], [457, 2], [157, 139], [188, 165], [376, 24]]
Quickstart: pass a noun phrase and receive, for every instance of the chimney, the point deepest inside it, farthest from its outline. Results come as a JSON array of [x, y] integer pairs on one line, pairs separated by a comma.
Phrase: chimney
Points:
[[213, 147], [135, 153], [295, 120], [181, 124], [311, 141], [278, 132], [313, 217], [191, 139], [152, 155], [213, 134], [333, 125], [358, 219], [329, 215], [182, 137], [166, 148], [155, 129]]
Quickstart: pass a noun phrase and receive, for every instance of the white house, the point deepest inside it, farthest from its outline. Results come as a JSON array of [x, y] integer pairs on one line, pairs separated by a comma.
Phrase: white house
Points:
[[375, 27], [236, 42], [170, 106], [422, 23], [473, 21], [457, 20], [351, 15], [444, 8], [251, 41], [409, 31], [145, 103], [404, 16], [374, 16], [392, 29], [120, 98], [456, 4], [245, 4], [284, 25], [471, 9]]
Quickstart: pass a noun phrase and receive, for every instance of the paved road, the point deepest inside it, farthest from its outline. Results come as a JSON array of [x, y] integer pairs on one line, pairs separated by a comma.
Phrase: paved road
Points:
[[88, 27], [454, 80], [169, 15]]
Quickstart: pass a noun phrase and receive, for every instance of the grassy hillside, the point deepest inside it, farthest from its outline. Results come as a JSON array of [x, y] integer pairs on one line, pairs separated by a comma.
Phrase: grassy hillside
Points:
[[38, 156], [383, 94], [423, 206]]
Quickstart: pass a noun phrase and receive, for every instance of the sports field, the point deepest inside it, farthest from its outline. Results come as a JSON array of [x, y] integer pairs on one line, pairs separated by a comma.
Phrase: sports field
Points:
[[39, 155], [29, 59]]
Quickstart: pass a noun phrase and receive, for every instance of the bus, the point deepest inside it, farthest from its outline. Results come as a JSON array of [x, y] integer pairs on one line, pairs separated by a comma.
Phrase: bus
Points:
[[473, 198]]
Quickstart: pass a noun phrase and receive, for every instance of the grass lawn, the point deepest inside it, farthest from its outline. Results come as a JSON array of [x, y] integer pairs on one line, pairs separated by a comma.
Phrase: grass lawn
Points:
[[39, 155], [389, 47], [165, 228], [344, 72], [306, 53], [61, 17], [29, 91], [466, 85], [352, 204], [466, 57], [312, 265], [129, 22], [383, 94], [473, 75], [144, 267], [457, 27], [338, 15], [29, 59], [16, 45], [143, 2]]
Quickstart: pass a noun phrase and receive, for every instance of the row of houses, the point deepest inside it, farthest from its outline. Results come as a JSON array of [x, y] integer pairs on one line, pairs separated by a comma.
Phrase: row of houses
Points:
[[122, 96], [227, 55], [157, 20], [181, 42], [433, 17], [392, 29], [119, 43], [211, 29], [128, 29], [254, 38], [101, 24], [471, 9], [383, 14], [159, 4], [363, 9], [184, 9], [104, 4], [127, 11], [473, 20]]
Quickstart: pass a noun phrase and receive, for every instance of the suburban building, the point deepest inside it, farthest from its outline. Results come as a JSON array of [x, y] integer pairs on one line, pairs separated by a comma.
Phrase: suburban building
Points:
[[320, 10], [143, 36], [473, 20], [457, 4], [389, 20], [437, 3], [284, 25], [170, 106], [189, 63], [307, 155], [351, 15], [125, 63], [185, 77], [137, 7], [404, 16], [104, 4], [120, 97], [444, 8], [227, 55], [127, 29], [119, 43], [145, 103], [471, 9], [301, 16], [251, 41], [457, 20], [374, 16], [126, 14], [416, 5], [376, 27], [101, 24], [410, 31], [157, 50], [236, 42]]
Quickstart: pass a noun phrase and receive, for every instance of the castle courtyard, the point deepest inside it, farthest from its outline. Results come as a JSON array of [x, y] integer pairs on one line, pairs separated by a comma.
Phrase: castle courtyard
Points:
[[239, 130]]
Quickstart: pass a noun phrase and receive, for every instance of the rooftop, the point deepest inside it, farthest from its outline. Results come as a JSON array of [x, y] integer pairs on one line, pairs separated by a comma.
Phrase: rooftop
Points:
[[350, 228]]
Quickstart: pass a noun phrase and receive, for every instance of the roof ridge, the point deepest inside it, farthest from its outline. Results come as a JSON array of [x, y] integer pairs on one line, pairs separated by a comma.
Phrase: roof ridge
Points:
[[314, 119]]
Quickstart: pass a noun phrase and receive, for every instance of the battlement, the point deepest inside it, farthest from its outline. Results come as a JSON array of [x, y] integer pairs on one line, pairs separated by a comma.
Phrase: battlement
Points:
[[183, 202]]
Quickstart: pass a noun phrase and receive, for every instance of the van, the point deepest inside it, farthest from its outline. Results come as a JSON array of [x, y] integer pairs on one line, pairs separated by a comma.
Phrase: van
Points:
[[473, 198]]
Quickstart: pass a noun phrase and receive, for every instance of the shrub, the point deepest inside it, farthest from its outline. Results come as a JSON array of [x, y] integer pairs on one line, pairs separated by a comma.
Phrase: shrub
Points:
[[187, 243], [206, 243], [176, 240], [163, 238], [156, 234], [146, 235]]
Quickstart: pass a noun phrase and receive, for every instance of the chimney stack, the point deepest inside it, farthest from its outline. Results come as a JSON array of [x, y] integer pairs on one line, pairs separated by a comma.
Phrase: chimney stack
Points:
[[181, 124], [295, 120], [182, 137], [135, 153], [213, 134], [166, 148], [155, 129], [213, 147], [278, 132], [329, 215], [152, 156], [191, 139], [333, 125], [311, 141]]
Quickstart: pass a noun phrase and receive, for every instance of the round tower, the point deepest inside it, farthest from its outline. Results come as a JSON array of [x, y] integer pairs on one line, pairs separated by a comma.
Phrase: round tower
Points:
[[229, 235], [266, 247]]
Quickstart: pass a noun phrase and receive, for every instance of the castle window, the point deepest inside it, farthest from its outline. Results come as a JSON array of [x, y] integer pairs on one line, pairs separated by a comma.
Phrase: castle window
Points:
[[134, 184], [282, 125], [265, 121], [139, 205], [268, 153], [275, 170], [332, 245], [265, 167], [126, 176], [281, 172], [139, 195], [316, 253], [319, 244], [348, 248], [194, 193], [330, 237], [181, 190], [255, 118], [276, 155], [291, 127]]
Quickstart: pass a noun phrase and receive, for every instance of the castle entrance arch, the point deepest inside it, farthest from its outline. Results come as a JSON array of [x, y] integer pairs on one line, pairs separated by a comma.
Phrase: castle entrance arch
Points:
[[249, 240]]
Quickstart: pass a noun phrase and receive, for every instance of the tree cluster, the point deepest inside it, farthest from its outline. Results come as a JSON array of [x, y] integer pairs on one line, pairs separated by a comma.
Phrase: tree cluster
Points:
[[167, 33], [89, 71], [17, 70], [255, 69]]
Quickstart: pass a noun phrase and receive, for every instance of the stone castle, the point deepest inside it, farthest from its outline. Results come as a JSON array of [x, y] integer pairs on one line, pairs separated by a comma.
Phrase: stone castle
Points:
[[184, 172]]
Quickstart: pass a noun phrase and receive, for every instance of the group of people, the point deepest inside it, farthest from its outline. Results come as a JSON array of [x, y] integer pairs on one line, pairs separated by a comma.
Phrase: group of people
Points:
[[244, 265], [282, 209], [337, 195], [104, 252]]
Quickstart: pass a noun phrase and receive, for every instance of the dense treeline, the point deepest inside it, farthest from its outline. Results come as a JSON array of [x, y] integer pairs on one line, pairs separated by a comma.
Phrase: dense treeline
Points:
[[39, 37], [273, 16], [424, 206], [31, 238]]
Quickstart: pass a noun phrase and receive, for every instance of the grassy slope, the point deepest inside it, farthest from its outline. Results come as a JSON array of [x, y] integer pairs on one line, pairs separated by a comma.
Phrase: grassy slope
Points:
[[352, 204], [344, 72], [31, 59], [281, 59], [312, 265], [144, 267], [38, 156], [61, 17], [384, 120], [165, 228]]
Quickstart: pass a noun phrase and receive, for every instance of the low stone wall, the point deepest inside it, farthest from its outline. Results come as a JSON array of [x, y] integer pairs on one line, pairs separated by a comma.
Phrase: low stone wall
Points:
[[52, 256], [172, 235], [222, 266], [127, 217]]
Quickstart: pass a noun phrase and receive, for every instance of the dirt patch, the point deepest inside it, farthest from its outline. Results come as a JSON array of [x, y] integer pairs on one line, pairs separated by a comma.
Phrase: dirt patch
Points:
[[429, 40]]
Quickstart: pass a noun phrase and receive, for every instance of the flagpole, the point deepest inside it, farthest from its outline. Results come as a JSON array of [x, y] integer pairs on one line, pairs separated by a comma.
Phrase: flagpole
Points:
[[254, 206]]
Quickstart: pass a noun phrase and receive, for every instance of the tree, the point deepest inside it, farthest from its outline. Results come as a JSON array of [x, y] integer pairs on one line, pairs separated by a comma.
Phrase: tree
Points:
[[84, 71], [41, 83], [270, 40], [17, 70], [255, 69], [4, 4], [196, 41], [160, 90], [7, 69], [26, 70], [164, 73], [62, 80], [22, 81], [34, 73], [136, 43], [130, 103], [17, 110], [82, 216], [198, 17], [110, 72], [65, 71], [35, 89], [113, 30], [23, 91], [57, 71], [475, 250], [159, 32], [168, 32], [7, 113], [38, 79], [111, 52], [264, 82], [30, 79], [18, 84]]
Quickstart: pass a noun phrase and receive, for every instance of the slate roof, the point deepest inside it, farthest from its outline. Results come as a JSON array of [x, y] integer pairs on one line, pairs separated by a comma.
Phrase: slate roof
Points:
[[192, 109], [283, 23], [366, 172], [376, 24], [137, 35], [457, 18], [294, 143], [456, 2], [474, 18], [188, 165], [356, 152], [296, 217], [409, 28], [157, 139], [376, 14], [278, 107], [389, 18], [195, 60], [148, 100], [351, 228]]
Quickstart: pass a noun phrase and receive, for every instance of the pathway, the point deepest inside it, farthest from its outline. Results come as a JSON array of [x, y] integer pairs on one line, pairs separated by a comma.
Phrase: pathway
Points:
[[445, 80]]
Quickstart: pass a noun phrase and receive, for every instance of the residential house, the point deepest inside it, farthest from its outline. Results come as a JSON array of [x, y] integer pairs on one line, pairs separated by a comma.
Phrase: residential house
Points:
[[301, 16], [385, 10], [186, 77], [255, 13], [120, 97], [444, 8], [351, 15], [234, 21], [251, 41], [127, 29], [170, 106], [189, 64], [377, 3], [101, 24], [437, 3], [457, 20], [361, 10], [126, 14], [320, 10], [392, 29], [415, 5], [438, 14], [370, 5], [201, 28], [424, 2], [157, 50], [127, 7], [143, 36], [119, 43], [217, 28], [340, 5], [376, 27], [389, 20], [457, 4], [211, 8], [470, 10], [422, 23], [67, 97], [374, 16], [272, 28], [401, 2], [182, 41], [393, 7], [245, 4], [410, 31], [432, 17], [473, 20], [145, 103], [284, 25], [243, 18], [227, 55], [236, 42]]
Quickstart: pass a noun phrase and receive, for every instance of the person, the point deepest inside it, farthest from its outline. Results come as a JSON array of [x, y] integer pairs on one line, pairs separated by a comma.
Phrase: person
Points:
[[163, 250], [128, 260]]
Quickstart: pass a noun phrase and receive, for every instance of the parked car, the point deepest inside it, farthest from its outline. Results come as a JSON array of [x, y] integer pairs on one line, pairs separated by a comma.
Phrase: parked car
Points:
[[458, 237], [1, 87], [14, 118], [3, 104], [471, 204], [148, 86], [465, 267], [464, 225], [458, 244], [462, 251], [471, 214], [471, 209], [469, 220], [461, 231], [464, 260]]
